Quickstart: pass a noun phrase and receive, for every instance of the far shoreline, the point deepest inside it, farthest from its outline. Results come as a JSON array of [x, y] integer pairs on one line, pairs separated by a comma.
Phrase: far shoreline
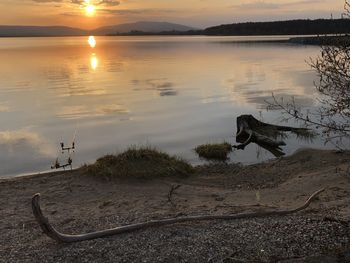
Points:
[[47, 173], [285, 39]]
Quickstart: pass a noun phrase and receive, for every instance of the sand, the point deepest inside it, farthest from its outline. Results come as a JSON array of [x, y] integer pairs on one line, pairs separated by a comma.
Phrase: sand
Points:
[[77, 203]]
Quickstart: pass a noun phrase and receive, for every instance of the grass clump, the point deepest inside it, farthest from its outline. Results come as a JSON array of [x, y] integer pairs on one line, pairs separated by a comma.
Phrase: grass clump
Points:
[[217, 152], [143, 162]]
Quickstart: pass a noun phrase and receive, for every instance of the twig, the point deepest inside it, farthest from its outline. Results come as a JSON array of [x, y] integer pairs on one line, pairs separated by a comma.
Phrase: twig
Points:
[[171, 192], [50, 231]]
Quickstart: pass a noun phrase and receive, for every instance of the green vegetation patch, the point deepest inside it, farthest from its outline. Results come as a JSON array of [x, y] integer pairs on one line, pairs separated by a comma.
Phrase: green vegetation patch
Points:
[[143, 162], [218, 152]]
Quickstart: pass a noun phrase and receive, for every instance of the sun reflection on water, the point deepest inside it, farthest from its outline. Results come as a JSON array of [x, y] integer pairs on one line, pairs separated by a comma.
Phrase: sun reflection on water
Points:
[[93, 58], [92, 41], [93, 61]]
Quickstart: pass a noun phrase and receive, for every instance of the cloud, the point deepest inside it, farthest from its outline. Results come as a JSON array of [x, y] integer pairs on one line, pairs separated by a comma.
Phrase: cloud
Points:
[[100, 2], [82, 2], [48, 1], [148, 11], [257, 5], [269, 5], [78, 2], [108, 3], [23, 141], [24, 151], [4, 108]]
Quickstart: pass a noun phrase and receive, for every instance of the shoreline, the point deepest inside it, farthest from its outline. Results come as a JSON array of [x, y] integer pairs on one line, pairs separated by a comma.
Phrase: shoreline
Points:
[[76, 203], [311, 39], [19, 176]]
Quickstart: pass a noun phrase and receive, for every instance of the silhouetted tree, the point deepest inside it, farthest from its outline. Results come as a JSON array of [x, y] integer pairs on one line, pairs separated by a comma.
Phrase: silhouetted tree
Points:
[[333, 114]]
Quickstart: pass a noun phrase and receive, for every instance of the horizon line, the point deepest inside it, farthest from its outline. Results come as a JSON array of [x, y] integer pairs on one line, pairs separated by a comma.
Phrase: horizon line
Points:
[[177, 23]]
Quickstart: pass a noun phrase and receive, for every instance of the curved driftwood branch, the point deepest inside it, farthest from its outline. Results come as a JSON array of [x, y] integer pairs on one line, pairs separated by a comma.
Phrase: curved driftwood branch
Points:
[[64, 238]]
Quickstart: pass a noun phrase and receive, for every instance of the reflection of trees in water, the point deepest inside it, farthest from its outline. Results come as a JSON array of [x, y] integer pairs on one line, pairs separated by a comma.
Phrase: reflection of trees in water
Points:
[[162, 86]]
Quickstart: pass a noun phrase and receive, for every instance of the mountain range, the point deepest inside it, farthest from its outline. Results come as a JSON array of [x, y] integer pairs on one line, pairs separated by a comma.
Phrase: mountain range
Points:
[[288, 27], [142, 26]]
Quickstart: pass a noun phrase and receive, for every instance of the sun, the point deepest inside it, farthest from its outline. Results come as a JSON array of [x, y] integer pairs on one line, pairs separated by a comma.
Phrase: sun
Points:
[[90, 10]]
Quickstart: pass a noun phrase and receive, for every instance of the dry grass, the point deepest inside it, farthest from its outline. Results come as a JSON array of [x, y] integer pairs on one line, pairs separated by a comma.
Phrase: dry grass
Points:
[[218, 152], [143, 162]]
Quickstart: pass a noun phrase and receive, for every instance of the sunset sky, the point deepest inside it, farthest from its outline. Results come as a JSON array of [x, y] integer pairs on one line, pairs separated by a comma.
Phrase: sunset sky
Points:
[[197, 13]]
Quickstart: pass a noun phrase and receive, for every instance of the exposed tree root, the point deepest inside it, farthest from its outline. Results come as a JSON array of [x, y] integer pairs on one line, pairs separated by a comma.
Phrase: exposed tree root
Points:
[[251, 130], [50, 231]]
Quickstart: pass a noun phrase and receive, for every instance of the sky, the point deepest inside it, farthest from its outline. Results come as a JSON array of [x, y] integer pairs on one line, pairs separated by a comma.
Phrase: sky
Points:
[[89, 14]]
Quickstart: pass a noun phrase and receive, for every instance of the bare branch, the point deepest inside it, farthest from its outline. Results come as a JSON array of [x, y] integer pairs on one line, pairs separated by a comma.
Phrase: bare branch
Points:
[[171, 192], [333, 70], [50, 231]]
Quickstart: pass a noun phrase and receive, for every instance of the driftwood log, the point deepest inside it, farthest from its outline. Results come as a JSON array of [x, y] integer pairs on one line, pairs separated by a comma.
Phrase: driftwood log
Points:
[[268, 136], [50, 231]]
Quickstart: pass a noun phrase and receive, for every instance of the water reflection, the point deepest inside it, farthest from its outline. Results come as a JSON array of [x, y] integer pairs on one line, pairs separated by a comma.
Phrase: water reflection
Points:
[[4, 108], [163, 86], [122, 91], [93, 61], [23, 150], [92, 41], [90, 111]]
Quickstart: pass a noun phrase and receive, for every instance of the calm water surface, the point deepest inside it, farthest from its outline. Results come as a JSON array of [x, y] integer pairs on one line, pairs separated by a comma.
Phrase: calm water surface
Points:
[[170, 92]]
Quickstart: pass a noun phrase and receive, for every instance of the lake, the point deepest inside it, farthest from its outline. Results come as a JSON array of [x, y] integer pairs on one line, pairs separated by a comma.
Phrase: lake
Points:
[[173, 93]]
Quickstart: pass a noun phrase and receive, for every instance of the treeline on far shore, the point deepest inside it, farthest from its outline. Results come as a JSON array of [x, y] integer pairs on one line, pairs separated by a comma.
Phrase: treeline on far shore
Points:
[[289, 27]]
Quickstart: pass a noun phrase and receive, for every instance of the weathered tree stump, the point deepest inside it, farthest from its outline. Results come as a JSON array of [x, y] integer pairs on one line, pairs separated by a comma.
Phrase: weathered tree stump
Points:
[[268, 136]]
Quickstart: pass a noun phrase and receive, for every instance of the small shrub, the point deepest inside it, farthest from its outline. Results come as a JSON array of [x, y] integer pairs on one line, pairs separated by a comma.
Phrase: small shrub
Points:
[[214, 151], [144, 162]]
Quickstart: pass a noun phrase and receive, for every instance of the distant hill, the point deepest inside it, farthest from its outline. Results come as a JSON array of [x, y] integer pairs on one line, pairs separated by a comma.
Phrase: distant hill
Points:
[[34, 31], [142, 26], [290, 27]]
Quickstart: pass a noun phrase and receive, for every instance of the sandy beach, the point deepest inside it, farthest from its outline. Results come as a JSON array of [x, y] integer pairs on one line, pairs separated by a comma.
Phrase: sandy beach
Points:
[[77, 203]]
